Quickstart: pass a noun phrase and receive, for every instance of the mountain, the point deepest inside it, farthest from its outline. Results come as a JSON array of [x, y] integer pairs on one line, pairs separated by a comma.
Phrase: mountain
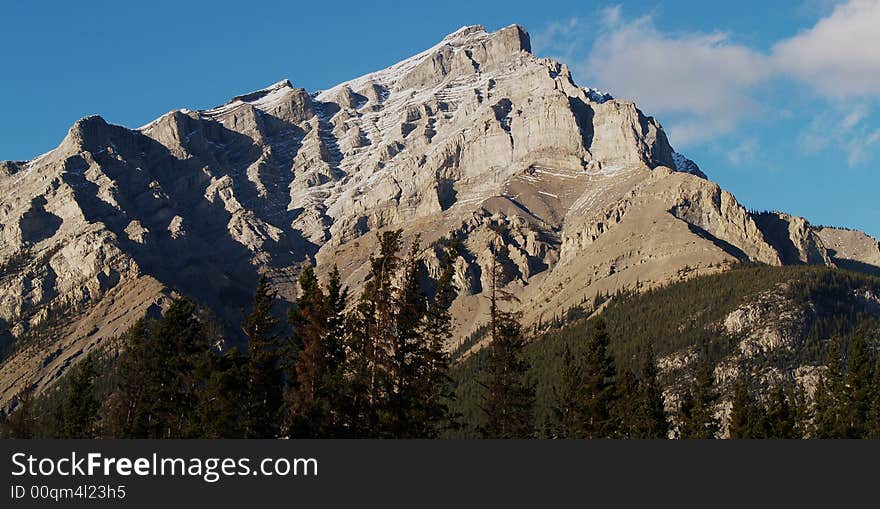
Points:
[[475, 138], [768, 325]]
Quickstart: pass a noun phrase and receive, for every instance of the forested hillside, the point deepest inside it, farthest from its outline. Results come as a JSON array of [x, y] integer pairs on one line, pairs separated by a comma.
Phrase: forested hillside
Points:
[[753, 352], [682, 328]]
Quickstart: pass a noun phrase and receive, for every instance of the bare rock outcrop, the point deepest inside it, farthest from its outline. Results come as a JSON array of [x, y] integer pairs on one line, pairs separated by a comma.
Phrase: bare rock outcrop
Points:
[[474, 138]]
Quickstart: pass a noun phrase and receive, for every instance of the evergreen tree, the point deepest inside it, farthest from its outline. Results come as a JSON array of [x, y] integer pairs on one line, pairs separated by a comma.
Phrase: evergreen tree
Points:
[[224, 396], [568, 395], [627, 405], [160, 376], [434, 384], [405, 417], [264, 377], [21, 423], [745, 413], [803, 413], [508, 402], [180, 337], [599, 390], [780, 416], [698, 420], [651, 421], [336, 386], [858, 397], [309, 405], [828, 398], [79, 407], [336, 302], [132, 404], [373, 339]]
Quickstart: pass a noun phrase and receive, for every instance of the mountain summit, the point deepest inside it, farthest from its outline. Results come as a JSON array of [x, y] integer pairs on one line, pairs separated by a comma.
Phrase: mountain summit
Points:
[[475, 138]]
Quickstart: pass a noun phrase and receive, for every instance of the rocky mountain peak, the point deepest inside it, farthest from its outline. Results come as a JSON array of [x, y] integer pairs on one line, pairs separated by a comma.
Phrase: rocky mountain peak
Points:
[[474, 139]]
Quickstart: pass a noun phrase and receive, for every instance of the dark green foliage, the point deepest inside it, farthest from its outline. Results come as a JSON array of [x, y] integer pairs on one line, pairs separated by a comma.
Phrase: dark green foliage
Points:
[[829, 421], [383, 371], [262, 414], [160, 376], [846, 401], [76, 415], [599, 375], [22, 422], [874, 413], [508, 400], [396, 366], [649, 419], [568, 396], [224, 397], [780, 415], [698, 407], [683, 315], [745, 413], [858, 394], [307, 396], [374, 338], [433, 385]]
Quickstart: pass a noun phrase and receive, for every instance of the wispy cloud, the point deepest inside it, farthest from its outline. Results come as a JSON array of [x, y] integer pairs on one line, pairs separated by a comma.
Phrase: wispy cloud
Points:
[[845, 128], [840, 55], [702, 80], [745, 153], [707, 84]]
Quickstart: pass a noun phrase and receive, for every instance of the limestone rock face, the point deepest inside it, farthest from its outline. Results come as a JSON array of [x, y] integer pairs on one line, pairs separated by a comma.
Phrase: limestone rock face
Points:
[[851, 249], [469, 138], [794, 238]]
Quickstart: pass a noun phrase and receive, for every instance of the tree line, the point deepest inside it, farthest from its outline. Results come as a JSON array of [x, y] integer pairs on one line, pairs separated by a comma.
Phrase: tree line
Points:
[[379, 367]]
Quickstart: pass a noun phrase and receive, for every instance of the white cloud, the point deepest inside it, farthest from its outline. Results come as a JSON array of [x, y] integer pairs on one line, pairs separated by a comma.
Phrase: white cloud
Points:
[[612, 15], [706, 84], [561, 40], [840, 55], [744, 153], [843, 128], [704, 80]]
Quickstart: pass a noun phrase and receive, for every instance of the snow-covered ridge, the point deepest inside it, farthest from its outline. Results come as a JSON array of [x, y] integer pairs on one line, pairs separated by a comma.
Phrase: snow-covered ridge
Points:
[[685, 165], [390, 76]]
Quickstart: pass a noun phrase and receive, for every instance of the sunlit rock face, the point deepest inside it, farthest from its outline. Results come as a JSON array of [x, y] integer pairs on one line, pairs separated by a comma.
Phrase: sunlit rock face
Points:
[[475, 138]]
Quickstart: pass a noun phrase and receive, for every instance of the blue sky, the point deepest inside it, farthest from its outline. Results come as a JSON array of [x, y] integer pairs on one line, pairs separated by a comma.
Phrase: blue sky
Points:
[[777, 101]]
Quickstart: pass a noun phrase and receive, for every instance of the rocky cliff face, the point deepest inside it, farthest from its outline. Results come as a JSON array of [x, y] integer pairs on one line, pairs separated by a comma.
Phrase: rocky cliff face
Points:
[[473, 134]]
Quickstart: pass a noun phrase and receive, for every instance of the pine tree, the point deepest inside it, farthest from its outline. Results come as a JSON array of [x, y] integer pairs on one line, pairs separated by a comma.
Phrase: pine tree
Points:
[[599, 390], [224, 396], [336, 302], [181, 339], [21, 423], [160, 376], [264, 377], [374, 337], [508, 402], [829, 421], [336, 386], [803, 413], [405, 417], [780, 416], [568, 396], [698, 420], [309, 414], [625, 411], [79, 406], [434, 384], [745, 413], [857, 397], [131, 406], [651, 420]]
